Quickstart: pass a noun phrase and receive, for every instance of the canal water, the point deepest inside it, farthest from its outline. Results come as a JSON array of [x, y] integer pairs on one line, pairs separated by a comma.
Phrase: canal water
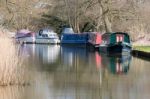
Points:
[[67, 72]]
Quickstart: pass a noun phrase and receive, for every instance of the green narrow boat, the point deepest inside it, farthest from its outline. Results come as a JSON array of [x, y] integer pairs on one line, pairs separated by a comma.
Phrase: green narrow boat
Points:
[[115, 43]]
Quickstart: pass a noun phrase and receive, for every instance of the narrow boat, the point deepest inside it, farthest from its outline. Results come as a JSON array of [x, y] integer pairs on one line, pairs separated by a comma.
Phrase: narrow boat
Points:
[[69, 37], [47, 36], [25, 36], [94, 39], [115, 43]]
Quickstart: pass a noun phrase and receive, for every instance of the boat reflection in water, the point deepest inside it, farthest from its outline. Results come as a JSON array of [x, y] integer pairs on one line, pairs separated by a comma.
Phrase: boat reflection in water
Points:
[[45, 54], [70, 55], [117, 64], [60, 72]]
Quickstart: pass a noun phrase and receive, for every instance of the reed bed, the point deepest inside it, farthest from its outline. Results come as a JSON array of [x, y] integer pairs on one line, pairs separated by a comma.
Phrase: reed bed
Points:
[[12, 92], [12, 69]]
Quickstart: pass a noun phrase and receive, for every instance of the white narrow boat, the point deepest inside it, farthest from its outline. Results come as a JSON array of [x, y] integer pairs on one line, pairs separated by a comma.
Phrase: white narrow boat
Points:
[[47, 36]]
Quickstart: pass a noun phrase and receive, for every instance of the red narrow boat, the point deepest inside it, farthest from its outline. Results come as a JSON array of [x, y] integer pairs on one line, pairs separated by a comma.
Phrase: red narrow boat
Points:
[[94, 39]]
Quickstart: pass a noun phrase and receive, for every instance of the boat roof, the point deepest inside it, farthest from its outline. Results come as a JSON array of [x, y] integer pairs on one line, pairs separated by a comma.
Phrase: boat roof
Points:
[[92, 32], [23, 31], [111, 33], [67, 31], [47, 31]]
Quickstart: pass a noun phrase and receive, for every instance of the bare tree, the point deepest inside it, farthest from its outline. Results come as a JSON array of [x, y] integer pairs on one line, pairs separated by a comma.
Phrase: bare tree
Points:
[[82, 15], [104, 4]]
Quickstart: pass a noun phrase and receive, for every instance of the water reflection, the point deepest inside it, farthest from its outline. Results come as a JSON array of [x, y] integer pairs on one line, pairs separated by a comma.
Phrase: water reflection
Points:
[[117, 64], [71, 55], [46, 54], [64, 72]]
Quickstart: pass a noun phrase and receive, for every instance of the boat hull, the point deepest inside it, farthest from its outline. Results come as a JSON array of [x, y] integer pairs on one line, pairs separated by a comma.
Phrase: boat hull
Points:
[[26, 40], [93, 46], [94, 39], [47, 41], [116, 49], [74, 39], [30, 40]]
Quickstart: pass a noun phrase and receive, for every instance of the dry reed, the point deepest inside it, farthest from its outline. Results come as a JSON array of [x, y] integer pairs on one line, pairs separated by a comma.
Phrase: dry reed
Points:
[[12, 70]]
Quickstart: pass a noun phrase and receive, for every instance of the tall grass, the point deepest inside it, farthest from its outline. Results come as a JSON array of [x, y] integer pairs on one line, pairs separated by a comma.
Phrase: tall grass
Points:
[[12, 70]]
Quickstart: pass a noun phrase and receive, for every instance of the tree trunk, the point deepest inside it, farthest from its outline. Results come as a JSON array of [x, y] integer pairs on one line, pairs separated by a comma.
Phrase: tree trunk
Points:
[[107, 23], [68, 12], [105, 10]]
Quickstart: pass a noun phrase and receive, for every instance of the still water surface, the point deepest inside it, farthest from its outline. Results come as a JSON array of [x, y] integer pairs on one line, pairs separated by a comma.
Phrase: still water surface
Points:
[[65, 72]]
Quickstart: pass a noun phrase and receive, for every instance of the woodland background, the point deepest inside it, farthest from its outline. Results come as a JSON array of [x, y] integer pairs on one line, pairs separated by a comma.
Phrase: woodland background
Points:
[[130, 16]]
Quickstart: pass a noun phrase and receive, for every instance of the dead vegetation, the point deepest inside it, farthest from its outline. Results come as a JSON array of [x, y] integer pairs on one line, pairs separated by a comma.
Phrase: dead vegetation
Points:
[[12, 69]]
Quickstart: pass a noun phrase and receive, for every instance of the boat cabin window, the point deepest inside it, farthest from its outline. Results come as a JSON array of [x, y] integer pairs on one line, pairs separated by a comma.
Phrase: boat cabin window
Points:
[[104, 42], [119, 38], [44, 35], [40, 32], [52, 34]]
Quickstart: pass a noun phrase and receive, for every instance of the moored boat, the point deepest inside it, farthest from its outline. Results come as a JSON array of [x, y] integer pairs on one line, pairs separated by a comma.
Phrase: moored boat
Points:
[[94, 39], [69, 37], [117, 43], [25, 36], [47, 36]]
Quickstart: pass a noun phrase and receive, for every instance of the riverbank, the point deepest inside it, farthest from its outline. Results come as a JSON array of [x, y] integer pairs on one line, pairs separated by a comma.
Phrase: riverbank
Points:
[[142, 48], [141, 51]]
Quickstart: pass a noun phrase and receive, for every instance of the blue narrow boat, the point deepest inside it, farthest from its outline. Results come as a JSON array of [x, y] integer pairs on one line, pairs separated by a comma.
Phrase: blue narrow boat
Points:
[[69, 37], [115, 43]]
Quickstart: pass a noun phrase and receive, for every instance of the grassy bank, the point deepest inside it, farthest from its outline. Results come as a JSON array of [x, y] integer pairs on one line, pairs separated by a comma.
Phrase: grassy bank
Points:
[[142, 48]]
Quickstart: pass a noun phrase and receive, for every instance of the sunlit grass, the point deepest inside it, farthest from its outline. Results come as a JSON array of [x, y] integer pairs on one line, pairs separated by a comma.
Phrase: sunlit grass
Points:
[[142, 48], [12, 70]]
